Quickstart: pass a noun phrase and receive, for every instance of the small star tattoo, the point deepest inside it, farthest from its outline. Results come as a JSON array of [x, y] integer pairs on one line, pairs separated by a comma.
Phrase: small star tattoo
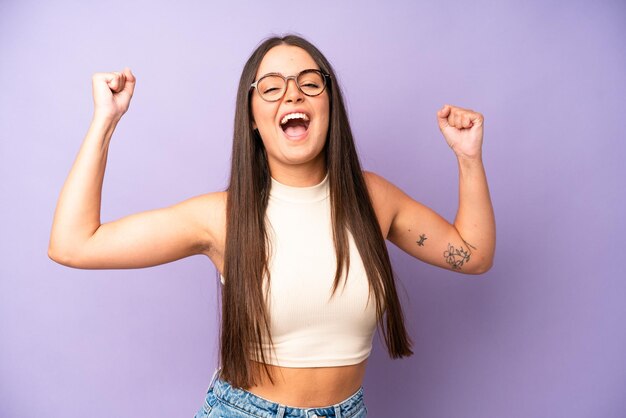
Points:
[[422, 239]]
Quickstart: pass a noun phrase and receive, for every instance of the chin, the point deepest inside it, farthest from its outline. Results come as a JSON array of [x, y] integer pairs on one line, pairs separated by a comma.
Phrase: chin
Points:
[[300, 156]]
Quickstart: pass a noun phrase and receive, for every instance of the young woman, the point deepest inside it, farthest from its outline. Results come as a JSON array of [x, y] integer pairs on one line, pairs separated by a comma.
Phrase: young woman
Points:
[[299, 235]]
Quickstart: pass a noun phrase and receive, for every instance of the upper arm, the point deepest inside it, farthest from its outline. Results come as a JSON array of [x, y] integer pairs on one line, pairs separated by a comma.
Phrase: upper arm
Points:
[[152, 237], [418, 230]]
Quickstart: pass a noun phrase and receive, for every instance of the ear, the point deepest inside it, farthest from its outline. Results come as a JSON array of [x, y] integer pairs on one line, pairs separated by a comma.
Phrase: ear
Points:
[[254, 125]]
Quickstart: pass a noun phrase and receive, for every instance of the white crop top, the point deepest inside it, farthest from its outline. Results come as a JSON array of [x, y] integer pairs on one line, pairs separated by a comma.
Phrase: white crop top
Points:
[[309, 328]]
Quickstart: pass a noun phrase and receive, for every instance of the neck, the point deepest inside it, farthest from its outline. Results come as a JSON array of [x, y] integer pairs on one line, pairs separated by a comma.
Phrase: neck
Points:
[[300, 175]]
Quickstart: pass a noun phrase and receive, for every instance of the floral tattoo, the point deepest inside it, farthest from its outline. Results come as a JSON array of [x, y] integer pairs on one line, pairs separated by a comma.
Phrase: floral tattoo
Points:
[[456, 257]]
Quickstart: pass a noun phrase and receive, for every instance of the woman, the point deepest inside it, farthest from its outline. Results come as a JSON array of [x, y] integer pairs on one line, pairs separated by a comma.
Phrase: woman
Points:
[[305, 272]]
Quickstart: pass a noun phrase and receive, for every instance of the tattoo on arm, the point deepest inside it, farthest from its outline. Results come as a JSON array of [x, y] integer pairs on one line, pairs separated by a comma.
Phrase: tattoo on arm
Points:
[[469, 245], [456, 257], [421, 240]]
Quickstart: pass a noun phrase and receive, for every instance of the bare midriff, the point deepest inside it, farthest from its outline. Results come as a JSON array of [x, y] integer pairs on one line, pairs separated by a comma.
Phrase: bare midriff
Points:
[[310, 387]]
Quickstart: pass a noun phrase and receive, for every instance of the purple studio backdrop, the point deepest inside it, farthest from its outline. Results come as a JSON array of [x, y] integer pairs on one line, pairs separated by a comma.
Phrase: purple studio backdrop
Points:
[[540, 335]]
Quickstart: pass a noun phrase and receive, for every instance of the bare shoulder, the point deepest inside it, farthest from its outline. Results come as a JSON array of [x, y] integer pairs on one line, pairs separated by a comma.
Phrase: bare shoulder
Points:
[[208, 211], [381, 190], [376, 183], [212, 201]]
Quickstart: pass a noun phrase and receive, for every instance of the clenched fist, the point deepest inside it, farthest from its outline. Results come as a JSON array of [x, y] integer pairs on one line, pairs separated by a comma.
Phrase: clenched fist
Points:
[[462, 129], [112, 93]]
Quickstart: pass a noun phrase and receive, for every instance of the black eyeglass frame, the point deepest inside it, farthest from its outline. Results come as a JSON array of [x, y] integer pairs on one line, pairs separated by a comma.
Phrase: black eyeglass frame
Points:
[[295, 80]]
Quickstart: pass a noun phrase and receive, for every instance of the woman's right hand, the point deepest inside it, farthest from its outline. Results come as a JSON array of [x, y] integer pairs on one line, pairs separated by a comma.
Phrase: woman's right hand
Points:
[[112, 93]]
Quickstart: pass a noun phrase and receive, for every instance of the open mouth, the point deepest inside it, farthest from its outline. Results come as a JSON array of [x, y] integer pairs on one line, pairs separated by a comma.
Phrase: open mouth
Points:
[[294, 124]]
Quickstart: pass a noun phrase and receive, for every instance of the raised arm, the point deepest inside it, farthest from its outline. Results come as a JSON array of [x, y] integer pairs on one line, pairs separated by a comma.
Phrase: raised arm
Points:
[[78, 239], [468, 244]]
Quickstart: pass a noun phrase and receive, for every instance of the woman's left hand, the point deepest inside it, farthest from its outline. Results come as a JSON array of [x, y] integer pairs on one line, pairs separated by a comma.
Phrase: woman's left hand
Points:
[[463, 130]]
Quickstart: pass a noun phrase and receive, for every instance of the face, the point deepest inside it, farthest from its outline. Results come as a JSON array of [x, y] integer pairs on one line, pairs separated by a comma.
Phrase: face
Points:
[[298, 142]]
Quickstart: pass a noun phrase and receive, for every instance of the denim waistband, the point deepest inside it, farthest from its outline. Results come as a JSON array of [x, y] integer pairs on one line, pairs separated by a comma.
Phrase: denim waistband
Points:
[[260, 407]]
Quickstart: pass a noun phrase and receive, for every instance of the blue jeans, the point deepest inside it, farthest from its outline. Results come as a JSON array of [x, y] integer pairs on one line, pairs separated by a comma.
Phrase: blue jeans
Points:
[[224, 401]]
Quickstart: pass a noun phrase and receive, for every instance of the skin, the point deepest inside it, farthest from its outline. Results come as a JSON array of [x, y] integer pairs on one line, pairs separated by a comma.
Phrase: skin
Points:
[[298, 163], [78, 238]]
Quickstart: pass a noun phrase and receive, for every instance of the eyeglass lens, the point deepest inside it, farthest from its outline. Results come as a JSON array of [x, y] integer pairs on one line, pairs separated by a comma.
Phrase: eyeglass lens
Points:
[[272, 87]]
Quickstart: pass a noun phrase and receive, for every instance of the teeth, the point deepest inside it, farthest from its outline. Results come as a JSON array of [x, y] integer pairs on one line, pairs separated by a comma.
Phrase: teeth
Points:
[[290, 116]]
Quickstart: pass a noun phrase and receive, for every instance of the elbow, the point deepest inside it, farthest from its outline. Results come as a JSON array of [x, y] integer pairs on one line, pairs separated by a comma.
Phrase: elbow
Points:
[[483, 267], [477, 266], [61, 257], [54, 255]]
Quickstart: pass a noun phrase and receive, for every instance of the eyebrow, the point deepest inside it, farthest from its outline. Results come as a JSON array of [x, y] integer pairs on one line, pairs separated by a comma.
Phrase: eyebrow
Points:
[[279, 73]]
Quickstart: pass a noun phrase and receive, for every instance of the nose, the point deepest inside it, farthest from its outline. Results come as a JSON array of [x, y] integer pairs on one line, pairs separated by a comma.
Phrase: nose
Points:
[[293, 93]]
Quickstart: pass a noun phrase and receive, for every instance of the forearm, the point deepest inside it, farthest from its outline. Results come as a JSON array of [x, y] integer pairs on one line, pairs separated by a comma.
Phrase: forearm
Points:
[[77, 215], [475, 219]]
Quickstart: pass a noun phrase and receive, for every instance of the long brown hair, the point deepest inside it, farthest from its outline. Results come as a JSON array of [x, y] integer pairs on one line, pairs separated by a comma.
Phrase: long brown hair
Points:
[[245, 320]]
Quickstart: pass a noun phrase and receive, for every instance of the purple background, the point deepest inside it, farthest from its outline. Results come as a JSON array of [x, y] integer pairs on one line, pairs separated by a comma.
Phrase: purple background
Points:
[[542, 334]]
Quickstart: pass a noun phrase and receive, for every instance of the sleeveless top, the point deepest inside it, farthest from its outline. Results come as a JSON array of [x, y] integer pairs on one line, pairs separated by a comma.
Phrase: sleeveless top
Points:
[[310, 326]]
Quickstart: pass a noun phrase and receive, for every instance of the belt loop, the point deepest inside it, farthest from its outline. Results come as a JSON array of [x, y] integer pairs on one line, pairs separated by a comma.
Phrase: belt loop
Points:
[[337, 411], [281, 411], [214, 378]]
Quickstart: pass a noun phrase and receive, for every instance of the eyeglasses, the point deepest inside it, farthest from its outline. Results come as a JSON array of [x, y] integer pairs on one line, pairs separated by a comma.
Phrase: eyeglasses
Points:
[[272, 86]]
